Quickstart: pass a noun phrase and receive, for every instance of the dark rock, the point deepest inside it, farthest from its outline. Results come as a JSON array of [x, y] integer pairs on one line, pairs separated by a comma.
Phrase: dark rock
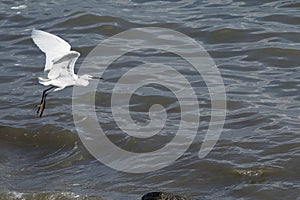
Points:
[[162, 196]]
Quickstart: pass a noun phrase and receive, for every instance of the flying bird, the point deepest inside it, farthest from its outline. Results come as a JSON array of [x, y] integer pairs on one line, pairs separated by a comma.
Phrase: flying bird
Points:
[[60, 61]]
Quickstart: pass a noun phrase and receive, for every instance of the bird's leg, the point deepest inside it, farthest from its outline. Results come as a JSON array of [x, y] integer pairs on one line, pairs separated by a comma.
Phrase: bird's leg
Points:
[[41, 106], [43, 96]]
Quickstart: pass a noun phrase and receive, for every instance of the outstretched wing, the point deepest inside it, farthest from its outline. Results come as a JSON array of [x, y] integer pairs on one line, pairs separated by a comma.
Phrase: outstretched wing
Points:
[[52, 45], [63, 64]]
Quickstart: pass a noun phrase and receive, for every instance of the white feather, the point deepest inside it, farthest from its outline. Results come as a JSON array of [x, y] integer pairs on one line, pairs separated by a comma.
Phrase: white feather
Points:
[[63, 65], [52, 45]]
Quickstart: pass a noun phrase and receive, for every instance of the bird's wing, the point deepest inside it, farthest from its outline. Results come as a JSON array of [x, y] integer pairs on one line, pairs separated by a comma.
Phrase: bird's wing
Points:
[[52, 45], [63, 64]]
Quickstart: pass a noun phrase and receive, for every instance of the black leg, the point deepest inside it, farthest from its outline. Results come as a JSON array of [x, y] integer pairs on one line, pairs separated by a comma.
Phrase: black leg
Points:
[[41, 107], [44, 92]]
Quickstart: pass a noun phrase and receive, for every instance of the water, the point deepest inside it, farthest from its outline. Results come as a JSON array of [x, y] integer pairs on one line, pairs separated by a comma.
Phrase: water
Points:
[[256, 46]]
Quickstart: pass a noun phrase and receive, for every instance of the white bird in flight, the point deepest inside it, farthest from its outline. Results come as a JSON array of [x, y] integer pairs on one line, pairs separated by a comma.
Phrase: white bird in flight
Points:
[[60, 61]]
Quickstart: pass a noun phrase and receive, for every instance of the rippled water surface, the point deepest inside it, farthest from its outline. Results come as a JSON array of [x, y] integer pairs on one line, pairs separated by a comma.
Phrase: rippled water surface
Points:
[[256, 47]]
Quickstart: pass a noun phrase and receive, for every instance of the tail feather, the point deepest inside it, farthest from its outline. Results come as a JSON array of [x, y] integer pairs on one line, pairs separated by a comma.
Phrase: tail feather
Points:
[[44, 81]]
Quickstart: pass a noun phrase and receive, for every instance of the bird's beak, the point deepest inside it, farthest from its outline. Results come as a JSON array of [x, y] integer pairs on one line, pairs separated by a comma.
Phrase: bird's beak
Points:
[[97, 78]]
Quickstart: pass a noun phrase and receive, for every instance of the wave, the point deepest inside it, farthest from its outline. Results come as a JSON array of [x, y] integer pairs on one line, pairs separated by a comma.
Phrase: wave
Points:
[[47, 136]]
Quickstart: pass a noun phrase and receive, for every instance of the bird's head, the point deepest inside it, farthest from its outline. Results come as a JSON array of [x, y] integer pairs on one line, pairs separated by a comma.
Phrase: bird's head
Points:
[[84, 79]]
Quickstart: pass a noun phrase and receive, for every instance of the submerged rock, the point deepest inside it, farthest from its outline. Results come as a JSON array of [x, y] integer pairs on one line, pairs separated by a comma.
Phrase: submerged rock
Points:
[[162, 196]]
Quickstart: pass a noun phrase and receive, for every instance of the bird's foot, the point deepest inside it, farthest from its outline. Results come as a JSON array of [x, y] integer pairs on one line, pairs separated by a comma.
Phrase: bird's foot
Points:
[[40, 109]]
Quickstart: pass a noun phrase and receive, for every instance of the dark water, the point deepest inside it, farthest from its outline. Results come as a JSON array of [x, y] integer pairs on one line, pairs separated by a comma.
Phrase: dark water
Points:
[[256, 46]]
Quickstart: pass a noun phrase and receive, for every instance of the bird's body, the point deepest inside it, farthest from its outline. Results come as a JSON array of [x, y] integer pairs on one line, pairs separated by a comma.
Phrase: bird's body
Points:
[[60, 61], [61, 76]]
